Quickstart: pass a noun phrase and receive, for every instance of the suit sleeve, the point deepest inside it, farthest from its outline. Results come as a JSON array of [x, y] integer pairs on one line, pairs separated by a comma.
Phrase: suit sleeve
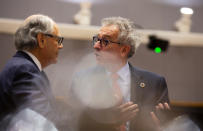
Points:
[[25, 88], [163, 92]]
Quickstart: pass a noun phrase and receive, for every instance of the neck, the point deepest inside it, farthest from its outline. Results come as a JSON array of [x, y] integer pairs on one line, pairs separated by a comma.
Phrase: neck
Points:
[[36, 53], [116, 67]]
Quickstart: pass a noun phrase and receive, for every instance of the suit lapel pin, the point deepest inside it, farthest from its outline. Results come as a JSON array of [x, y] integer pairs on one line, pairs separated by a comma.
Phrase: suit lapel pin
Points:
[[142, 84]]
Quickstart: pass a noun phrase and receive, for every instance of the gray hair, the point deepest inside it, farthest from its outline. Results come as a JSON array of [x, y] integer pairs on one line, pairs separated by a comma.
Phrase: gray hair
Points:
[[26, 34], [127, 35]]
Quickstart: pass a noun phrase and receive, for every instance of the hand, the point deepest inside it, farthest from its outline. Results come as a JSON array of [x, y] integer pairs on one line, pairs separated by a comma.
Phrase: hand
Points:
[[123, 113], [160, 116]]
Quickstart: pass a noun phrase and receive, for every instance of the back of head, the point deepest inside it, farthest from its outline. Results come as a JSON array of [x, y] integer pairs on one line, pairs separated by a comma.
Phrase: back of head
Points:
[[26, 34], [127, 35]]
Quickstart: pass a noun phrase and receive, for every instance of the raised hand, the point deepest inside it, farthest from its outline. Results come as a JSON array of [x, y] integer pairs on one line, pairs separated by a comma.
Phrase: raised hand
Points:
[[159, 117], [119, 114]]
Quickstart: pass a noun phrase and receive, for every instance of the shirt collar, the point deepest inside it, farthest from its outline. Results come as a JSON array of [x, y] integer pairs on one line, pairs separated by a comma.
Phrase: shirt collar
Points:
[[123, 72], [36, 61]]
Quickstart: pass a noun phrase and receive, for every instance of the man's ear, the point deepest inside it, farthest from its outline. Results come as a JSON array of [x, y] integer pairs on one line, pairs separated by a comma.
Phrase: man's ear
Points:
[[40, 40], [125, 50]]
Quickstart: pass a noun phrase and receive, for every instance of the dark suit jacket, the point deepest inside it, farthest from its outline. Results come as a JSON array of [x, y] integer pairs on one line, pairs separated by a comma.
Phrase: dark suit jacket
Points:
[[92, 90], [22, 85]]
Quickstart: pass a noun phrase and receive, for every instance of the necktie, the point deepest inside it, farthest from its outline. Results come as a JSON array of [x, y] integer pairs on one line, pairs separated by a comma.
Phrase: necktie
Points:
[[118, 94], [116, 88]]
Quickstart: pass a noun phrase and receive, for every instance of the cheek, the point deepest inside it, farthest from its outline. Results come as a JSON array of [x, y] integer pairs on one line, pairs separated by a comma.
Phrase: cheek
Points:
[[109, 56], [54, 47], [116, 52], [111, 52]]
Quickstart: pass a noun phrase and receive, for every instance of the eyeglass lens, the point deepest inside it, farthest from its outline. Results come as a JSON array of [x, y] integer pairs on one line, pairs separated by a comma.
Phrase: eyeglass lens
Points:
[[59, 39], [101, 41]]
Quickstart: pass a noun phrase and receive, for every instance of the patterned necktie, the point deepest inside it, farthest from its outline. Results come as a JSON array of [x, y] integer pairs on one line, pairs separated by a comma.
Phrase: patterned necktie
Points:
[[118, 94]]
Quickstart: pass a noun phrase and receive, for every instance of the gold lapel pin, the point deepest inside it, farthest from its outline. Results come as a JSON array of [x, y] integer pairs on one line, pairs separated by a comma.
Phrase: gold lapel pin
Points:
[[142, 84]]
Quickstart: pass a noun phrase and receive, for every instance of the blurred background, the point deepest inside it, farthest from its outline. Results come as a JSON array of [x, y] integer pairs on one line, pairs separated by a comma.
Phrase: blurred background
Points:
[[181, 64]]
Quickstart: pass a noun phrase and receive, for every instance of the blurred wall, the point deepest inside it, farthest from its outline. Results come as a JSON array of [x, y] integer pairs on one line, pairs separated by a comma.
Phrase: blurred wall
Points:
[[181, 66]]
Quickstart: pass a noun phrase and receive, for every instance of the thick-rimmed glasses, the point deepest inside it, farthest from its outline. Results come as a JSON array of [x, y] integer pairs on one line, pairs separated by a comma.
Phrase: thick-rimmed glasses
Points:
[[102, 41], [58, 38]]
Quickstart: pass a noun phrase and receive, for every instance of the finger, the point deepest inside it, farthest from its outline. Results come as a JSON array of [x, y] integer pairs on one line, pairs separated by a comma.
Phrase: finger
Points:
[[129, 116], [167, 106], [125, 105], [155, 119], [157, 107], [132, 114], [161, 106], [119, 108], [129, 108]]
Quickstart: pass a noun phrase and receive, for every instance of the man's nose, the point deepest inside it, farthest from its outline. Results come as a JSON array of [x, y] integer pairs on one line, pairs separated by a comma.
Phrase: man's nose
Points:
[[60, 46], [97, 45]]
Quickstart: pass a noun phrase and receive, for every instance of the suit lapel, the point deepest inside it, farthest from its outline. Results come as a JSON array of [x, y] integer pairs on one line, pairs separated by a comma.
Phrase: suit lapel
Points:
[[44, 80], [45, 89], [136, 90]]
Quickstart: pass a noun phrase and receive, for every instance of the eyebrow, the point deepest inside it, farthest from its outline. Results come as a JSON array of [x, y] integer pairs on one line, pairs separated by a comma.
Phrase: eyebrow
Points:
[[105, 36]]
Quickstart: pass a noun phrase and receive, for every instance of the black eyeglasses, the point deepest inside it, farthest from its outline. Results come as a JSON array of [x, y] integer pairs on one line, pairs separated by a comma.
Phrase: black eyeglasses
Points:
[[102, 41], [58, 38]]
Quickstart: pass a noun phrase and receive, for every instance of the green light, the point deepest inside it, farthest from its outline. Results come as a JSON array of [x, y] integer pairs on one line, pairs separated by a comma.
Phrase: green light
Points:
[[157, 50]]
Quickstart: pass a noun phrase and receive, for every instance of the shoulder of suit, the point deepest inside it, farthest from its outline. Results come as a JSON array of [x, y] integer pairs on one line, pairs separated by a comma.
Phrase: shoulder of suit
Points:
[[17, 66], [145, 73], [20, 63]]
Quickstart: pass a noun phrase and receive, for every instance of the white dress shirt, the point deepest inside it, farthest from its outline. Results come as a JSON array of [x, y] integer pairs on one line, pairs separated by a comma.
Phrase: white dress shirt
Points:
[[124, 81], [36, 61]]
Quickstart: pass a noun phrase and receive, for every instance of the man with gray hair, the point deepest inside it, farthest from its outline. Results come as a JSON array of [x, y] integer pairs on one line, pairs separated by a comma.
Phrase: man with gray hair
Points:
[[115, 95], [23, 83]]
